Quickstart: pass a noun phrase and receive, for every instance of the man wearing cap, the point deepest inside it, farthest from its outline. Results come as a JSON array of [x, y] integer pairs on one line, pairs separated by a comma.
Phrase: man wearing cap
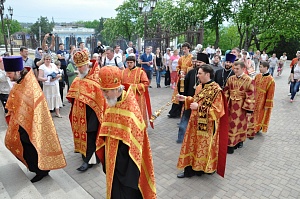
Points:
[[126, 155], [88, 105], [136, 78], [205, 143], [239, 91], [31, 135], [190, 83], [222, 75]]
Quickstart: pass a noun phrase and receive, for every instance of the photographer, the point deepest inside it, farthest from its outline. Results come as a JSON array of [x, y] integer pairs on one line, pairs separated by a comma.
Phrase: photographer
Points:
[[49, 50], [99, 49]]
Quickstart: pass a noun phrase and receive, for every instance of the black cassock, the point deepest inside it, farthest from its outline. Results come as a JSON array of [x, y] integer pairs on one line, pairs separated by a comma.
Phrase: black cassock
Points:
[[126, 176], [222, 75], [92, 130], [190, 83]]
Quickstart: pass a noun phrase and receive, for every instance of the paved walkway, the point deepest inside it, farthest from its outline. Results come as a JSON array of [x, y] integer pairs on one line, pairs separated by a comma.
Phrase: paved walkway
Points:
[[266, 167]]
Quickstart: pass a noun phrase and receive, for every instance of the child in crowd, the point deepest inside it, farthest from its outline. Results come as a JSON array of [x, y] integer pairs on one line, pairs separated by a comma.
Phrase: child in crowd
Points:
[[61, 80]]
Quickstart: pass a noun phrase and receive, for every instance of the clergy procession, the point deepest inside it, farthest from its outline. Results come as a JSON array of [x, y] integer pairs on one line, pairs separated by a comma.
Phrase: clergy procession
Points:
[[222, 104]]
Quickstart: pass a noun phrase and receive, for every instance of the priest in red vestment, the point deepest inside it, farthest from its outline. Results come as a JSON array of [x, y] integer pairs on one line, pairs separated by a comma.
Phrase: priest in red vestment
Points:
[[136, 78], [88, 105], [31, 135], [205, 142], [265, 89], [126, 155], [239, 91]]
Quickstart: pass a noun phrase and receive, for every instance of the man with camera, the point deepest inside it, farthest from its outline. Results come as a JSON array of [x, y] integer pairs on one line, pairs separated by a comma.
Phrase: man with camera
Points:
[[99, 49]]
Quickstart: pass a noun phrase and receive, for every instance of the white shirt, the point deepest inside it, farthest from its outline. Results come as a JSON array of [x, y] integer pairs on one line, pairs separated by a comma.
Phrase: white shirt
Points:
[[167, 58], [111, 62], [153, 55], [264, 57], [48, 71], [5, 84]]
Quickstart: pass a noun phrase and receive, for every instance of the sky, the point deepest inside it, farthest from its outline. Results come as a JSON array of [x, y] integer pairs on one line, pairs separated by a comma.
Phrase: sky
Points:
[[62, 10]]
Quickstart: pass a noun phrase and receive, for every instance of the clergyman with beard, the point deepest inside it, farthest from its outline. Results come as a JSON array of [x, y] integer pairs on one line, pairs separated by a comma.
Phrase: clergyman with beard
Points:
[[126, 155], [222, 75], [88, 106]]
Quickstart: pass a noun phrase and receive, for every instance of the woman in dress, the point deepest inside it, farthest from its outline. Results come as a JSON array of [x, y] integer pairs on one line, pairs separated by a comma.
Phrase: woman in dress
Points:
[[50, 86]]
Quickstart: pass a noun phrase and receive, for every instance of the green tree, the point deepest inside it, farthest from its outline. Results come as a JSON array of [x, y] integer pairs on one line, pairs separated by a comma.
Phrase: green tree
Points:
[[261, 22], [46, 26], [124, 25], [15, 26], [218, 11]]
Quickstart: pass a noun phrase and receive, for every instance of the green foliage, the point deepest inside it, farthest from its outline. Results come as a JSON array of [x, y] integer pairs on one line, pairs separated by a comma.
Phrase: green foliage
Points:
[[14, 26], [46, 26], [124, 25], [255, 24]]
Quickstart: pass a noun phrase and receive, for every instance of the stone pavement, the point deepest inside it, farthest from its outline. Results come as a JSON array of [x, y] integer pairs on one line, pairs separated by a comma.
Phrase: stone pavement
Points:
[[266, 167]]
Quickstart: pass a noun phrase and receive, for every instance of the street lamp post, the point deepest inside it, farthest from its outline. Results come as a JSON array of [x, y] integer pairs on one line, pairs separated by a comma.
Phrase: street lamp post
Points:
[[2, 23], [8, 23], [141, 7]]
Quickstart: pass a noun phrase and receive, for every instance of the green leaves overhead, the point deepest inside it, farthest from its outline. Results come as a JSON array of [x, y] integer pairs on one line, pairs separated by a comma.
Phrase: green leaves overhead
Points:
[[256, 23]]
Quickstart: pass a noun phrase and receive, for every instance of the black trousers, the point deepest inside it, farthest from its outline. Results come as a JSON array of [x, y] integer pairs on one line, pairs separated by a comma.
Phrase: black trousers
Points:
[[91, 145], [189, 172], [126, 176], [167, 78], [30, 154], [119, 191], [61, 91]]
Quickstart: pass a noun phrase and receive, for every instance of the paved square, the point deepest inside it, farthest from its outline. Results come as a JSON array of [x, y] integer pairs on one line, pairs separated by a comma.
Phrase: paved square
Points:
[[266, 167]]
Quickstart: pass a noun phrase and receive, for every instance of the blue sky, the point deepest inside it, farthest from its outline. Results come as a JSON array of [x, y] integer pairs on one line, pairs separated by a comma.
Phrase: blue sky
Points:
[[62, 10]]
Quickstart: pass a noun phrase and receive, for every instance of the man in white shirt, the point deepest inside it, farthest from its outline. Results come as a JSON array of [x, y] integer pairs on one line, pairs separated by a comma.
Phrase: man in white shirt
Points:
[[118, 52], [111, 60]]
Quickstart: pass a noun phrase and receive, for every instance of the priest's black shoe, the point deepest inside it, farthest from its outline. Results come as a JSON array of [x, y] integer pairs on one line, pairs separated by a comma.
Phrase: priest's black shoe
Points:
[[83, 167], [240, 144], [181, 175], [38, 177], [230, 150], [251, 138]]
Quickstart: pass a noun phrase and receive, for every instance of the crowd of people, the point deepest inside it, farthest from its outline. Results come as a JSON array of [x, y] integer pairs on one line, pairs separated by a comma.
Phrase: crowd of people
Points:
[[221, 101]]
